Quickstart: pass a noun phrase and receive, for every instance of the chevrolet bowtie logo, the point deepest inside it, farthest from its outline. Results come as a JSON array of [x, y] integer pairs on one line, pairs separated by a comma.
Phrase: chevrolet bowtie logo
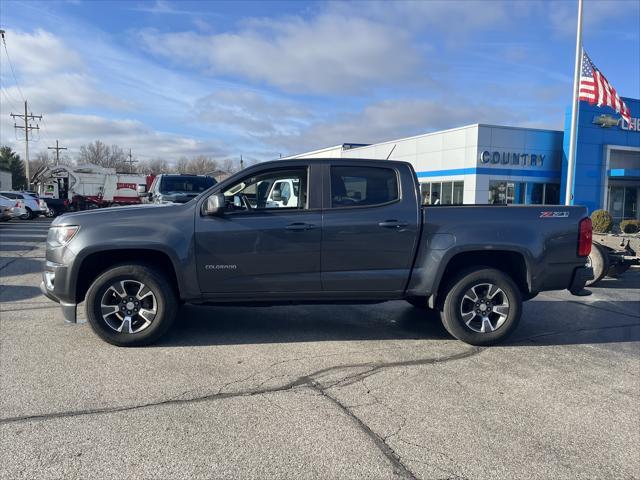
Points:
[[605, 121]]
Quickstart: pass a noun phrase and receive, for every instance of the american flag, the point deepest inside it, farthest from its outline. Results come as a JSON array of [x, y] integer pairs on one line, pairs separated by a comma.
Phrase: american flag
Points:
[[594, 88]]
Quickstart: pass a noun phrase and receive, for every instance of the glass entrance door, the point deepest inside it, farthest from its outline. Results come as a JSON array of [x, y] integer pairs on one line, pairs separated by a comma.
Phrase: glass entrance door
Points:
[[623, 202]]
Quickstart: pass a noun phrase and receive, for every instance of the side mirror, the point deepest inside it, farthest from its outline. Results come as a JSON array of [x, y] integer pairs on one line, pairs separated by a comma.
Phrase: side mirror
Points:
[[215, 204], [142, 190], [276, 195]]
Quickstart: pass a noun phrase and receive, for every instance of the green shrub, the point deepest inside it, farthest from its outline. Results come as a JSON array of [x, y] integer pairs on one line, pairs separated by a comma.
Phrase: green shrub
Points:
[[630, 226], [602, 221]]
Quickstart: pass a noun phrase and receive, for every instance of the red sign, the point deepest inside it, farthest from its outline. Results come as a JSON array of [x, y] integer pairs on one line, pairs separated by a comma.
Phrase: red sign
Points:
[[132, 186]]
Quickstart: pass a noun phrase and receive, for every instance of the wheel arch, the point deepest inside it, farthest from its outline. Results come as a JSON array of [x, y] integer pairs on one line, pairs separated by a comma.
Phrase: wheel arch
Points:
[[510, 262], [95, 263]]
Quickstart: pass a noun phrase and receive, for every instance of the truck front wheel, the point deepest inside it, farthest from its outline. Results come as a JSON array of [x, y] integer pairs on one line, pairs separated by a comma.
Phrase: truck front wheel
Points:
[[131, 305], [483, 306]]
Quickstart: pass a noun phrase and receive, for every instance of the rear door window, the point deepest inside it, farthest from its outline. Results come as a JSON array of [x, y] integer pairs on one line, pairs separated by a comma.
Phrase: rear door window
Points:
[[363, 186]]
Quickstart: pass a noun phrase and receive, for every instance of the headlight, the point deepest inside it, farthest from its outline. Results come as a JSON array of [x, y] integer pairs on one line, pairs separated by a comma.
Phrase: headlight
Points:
[[60, 236]]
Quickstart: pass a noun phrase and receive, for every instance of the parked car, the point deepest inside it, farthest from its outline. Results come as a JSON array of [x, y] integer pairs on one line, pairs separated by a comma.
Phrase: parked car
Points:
[[32, 205], [11, 208], [356, 233], [174, 188], [44, 206]]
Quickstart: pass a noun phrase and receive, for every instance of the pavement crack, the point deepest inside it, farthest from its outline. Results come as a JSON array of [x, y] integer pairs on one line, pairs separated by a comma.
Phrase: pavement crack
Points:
[[304, 380], [399, 468]]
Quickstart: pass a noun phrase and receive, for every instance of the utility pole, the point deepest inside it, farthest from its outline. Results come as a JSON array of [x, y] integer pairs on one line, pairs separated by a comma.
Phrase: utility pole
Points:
[[131, 162], [241, 163], [27, 127], [57, 148]]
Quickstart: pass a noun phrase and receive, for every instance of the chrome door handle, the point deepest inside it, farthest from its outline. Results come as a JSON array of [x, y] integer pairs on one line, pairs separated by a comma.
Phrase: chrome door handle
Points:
[[300, 226], [393, 224]]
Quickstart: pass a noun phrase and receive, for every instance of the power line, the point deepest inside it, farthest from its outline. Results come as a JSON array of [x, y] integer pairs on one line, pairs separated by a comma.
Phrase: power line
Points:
[[57, 148], [6, 95], [4, 43], [27, 128], [131, 161]]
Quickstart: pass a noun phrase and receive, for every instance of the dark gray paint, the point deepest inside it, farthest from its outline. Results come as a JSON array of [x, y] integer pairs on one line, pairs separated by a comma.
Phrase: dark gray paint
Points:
[[346, 256]]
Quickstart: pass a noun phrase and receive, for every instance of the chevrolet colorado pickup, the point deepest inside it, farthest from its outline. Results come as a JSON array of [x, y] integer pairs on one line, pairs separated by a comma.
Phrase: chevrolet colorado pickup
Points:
[[353, 232]]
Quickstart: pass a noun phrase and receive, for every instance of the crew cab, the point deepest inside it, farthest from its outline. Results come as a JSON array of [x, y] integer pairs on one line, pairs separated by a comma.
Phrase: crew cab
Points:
[[353, 232]]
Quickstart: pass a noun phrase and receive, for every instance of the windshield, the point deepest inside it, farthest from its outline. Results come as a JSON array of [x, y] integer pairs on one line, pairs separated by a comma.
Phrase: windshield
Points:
[[184, 184]]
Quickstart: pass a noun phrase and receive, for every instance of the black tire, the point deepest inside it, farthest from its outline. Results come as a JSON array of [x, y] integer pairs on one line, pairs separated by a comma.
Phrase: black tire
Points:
[[418, 302], [51, 212], [455, 302], [164, 296], [27, 216], [599, 261]]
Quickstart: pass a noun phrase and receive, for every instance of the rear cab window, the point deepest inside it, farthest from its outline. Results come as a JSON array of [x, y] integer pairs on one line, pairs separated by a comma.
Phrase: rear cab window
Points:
[[363, 186]]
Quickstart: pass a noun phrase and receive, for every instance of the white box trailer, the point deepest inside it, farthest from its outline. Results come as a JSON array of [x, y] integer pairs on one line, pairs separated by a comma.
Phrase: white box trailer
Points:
[[89, 186]]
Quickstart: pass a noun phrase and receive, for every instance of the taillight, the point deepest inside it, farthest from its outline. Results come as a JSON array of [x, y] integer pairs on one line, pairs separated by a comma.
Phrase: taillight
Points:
[[584, 237]]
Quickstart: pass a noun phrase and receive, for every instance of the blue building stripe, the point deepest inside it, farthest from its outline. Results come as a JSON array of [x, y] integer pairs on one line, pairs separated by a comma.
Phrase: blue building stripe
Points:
[[624, 172], [511, 172]]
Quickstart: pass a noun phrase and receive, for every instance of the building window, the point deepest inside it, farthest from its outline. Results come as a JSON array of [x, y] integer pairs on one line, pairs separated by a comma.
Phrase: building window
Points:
[[442, 193], [520, 193], [458, 193]]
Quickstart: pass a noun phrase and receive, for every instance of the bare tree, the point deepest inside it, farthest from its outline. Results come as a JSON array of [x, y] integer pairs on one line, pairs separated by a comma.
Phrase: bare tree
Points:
[[40, 160], [201, 165], [182, 165], [154, 166], [98, 153]]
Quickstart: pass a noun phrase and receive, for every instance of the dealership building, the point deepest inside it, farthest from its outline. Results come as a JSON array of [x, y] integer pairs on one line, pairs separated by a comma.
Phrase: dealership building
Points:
[[511, 165]]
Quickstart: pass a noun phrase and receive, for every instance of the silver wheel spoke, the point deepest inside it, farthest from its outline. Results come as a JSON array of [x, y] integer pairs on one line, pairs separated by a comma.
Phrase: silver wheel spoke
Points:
[[493, 291], [113, 309], [467, 317], [473, 298], [143, 292], [147, 314], [121, 292], [486, 325], [502, 310], [126, 325]]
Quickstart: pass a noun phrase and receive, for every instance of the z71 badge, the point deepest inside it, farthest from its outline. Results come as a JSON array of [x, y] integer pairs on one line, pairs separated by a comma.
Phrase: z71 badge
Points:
[[564, 214]]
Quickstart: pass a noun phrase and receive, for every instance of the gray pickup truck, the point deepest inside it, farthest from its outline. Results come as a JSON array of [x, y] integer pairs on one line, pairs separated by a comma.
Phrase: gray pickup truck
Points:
[[313, 231]]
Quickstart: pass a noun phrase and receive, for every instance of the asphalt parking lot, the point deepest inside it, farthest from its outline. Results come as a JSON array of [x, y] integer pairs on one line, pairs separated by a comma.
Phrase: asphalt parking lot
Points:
[[377, 391]]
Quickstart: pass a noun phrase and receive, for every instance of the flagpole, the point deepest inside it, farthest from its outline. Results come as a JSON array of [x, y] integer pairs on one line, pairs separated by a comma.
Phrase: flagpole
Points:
[[571, 164]]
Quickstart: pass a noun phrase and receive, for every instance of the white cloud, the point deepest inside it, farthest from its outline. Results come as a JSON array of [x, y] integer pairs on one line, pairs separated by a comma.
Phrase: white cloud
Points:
[[146, 143], [389, 119], [251, 113], [328, 54], [39, 53]]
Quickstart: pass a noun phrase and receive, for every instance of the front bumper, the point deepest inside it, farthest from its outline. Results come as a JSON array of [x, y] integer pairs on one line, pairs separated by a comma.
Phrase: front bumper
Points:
[[52, 286], [581, 276]]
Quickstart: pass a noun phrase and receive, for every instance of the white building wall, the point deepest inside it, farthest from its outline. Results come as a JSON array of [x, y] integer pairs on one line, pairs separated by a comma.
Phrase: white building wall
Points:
[[454, 155]]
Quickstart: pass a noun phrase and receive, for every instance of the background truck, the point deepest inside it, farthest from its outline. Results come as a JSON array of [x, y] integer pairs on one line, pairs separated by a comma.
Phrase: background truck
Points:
[[87, 187], [177, 188], [356, 233]]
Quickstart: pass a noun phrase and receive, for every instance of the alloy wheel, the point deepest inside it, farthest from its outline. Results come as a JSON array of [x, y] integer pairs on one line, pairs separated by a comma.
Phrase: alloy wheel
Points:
[[128, 306], [484, 308]]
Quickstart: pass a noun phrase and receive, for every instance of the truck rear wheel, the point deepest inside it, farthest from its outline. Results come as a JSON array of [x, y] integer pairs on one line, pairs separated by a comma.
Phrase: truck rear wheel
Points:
[[131, 305], [483, 306]]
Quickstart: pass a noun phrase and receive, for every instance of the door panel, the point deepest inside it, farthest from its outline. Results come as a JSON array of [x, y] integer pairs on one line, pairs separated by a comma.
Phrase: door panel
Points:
[[260, 246], [266, 252], [367, 247]]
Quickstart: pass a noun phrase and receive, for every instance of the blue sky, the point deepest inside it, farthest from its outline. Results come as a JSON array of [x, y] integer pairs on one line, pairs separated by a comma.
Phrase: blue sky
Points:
[[259, 79]]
